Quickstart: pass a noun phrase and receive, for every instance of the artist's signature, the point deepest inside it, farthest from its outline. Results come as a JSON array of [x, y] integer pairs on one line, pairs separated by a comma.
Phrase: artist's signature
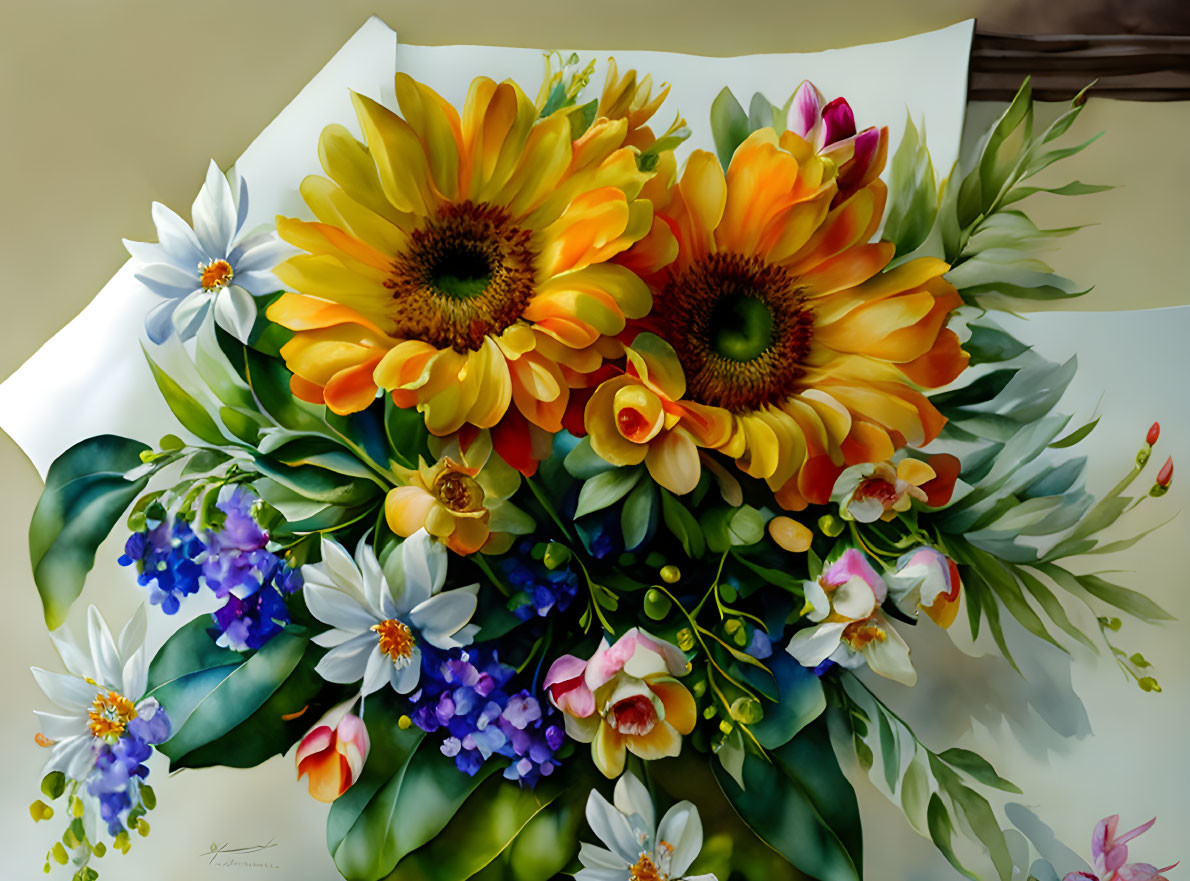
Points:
[[227, 857]]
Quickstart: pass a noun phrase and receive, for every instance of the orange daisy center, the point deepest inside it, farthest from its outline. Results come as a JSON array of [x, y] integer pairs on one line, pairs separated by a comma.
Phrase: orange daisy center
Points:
[[216, 275], [861, 634], [396, 640], [110, 714], [468, 273], [741, 329]]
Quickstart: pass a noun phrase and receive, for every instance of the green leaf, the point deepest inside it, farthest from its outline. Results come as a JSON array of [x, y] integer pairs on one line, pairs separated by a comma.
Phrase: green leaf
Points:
[[186, 407], [1130, 601], [605, 489], [405, 812], [682, 524], [800, 700], [729, 125], [267, 732], [190, 649], [802, 806], [1074, 188], [583, 463], [405, 431], [638, 514], [1075, 436], [978, 768], [941, 830], [85, 496], [483, 828], [990, 344], [913, 193], [1052, 607], [229, 699]]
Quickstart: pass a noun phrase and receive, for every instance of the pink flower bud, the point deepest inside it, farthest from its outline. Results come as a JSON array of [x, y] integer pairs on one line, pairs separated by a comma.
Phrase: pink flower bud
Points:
[[1154, 433], [333, 753], [1165, 475]]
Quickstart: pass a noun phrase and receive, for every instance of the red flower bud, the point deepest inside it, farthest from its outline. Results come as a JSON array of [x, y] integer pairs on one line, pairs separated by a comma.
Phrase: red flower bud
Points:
[[1154, 433], [1165, 475]]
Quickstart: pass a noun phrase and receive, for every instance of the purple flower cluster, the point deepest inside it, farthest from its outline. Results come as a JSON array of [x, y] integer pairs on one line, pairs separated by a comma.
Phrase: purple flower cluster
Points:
[[540, 590], [463, 695], [120, 767], [233, 561]]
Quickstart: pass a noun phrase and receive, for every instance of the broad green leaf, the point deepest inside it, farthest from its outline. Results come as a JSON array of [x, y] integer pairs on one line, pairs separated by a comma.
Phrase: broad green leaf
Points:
[[682, 524], [405, 431], [729, 125], [1130, 601], [267, 732], [192, 414], [606, 489], [85, 496], [583, 463], [802, 806], [404, 813], [977, 767], [913, 192], [941, 832], [1052, 607], [638, 514], [230, 699], [191, 648], [915, 794], [800, 700], [990, 344]]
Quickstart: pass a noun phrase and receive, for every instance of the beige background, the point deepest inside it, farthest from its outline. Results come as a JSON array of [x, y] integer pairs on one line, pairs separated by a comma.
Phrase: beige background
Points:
[[110, 104]]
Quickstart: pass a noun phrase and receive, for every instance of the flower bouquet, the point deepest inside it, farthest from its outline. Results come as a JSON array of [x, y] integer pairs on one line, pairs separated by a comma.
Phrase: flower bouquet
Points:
[[553, 501]]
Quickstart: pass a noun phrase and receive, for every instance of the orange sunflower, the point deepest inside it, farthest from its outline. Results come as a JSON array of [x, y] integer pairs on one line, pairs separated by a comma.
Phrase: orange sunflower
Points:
[[784, 315], [460, 261]]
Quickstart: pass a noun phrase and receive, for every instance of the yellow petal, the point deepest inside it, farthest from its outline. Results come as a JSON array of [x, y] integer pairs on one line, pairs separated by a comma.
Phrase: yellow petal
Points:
[[399, 155], [437, 124]]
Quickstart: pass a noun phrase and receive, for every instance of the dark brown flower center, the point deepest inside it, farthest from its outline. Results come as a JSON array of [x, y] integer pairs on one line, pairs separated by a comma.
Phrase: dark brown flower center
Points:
[[741, 329], [468, 273]]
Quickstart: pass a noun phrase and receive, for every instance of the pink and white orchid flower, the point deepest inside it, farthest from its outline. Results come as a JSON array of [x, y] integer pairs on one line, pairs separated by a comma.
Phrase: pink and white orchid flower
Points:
[[849, 627], [928, 580], [626, 698], [1109, 853], [829, 127]]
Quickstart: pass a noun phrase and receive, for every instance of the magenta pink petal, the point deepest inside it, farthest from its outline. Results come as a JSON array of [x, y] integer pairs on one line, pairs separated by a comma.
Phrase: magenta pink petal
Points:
[[806, 108], [838, 120]]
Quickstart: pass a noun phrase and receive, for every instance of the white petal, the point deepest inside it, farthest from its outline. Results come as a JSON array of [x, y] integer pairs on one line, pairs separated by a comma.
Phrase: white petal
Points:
[[338, 609], [599, 858], [190, 313], [241, 202], [342, 569], [258, 281], [681, 827], [333, 637], [812, 646], [630, 797], [145, 252], [74, 757], [423, 567], [68, 692], [612, 828], [376, 672], [889, 657], [406, 679], [214, 213], [76, 660], [820, 603], [601, 874], [235, 312], [132, 637], [347, 663], [261, 253], [169, 276], [135, 676], [57, 727], [177, 238], [854, 600], [372, 579], [442, 615], [159, 323]]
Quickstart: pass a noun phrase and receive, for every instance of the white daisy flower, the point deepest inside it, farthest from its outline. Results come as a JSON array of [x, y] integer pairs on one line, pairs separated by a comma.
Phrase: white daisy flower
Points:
[[207, 268], [101, 696], [380, 617], [637, 848]]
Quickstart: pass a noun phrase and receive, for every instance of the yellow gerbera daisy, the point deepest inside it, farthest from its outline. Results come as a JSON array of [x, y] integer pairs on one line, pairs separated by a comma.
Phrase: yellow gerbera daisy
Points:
[[779, 313], [460, 261]]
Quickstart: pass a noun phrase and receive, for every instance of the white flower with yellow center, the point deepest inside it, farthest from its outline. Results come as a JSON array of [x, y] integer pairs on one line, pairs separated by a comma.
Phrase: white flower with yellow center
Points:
[[211, 267], [379, 616], [637, 848], [101, 695]]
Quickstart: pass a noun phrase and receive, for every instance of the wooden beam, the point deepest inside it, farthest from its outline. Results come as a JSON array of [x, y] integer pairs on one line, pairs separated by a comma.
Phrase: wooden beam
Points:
[[1132, 67]]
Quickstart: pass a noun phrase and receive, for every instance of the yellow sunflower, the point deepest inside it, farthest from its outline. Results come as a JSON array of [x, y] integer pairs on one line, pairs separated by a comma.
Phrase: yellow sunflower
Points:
[[460, 261], [783, 314]]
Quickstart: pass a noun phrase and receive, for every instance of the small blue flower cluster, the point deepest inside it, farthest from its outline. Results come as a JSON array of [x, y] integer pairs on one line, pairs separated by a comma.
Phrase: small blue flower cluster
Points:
[[233, 561], [540, 590], [463, 695], [120, 766]]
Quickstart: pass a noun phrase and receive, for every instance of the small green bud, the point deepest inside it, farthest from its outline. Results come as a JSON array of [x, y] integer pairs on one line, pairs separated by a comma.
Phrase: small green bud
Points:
[[725, 726], [39, 811], [538, 552], [99, 849], [1139, 660], [685, 639], [147, 796], [1142, 455], [142, 827], [53, 784], [671, 574], [709, 713], [58, 852], [556, 555], [657, 604], [699, 688], [76, 807], [728, 592], [404, 722], [655, 560], [830, 525], [1148, 683], [171, 442]]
